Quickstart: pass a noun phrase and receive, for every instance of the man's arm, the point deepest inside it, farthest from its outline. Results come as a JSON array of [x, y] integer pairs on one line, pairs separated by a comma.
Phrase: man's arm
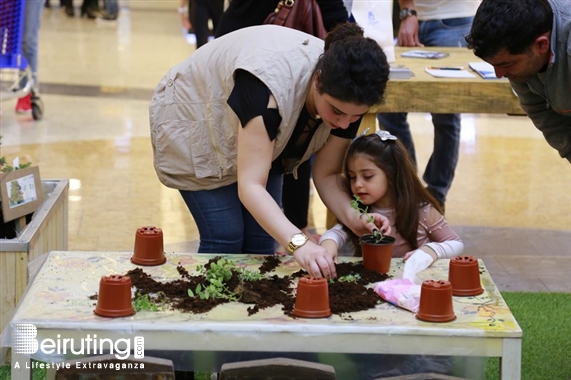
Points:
[[408, 29], [556, 128]]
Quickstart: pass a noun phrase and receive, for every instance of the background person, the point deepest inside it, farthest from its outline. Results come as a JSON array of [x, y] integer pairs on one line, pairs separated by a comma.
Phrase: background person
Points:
[[275, 96], [31, 30], [433, 23], [528, 42]]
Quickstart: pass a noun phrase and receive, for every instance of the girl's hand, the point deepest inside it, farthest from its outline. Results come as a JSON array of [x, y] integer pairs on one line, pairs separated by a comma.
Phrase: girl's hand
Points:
[[368, 223], [316, 260], [381, 223], [331, 247]]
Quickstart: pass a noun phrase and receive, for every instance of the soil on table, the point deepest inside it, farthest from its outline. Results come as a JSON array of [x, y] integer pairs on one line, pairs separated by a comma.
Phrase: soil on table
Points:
[[345, 297]]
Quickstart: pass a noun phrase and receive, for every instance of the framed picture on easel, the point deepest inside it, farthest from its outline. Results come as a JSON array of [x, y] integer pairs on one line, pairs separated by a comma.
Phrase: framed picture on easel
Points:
[[21, 192]]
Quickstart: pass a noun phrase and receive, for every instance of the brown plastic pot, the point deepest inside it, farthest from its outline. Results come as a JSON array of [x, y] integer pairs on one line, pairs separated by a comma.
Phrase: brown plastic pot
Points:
[[436, 301], [312, 298], [149, 249], [377, 255], [114, 298], [464, 275]]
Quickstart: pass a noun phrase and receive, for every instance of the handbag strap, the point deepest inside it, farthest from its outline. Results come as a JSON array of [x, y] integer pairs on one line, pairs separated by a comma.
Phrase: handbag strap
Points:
[[282, 11]]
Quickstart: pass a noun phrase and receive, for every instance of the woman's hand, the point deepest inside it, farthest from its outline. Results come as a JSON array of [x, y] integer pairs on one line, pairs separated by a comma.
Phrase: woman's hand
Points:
[[316, 260]]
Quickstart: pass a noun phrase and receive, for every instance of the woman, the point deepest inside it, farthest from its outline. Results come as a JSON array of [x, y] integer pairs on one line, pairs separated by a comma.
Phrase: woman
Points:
[[227, 123], [296, 191]]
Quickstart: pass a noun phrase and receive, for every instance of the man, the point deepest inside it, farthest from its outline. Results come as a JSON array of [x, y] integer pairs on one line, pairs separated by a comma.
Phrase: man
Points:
[[433, 23], [529, 42]]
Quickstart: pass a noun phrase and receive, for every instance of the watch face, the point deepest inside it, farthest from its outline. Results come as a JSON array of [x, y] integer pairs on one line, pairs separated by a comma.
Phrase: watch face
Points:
[[298, 239], [405, 12]]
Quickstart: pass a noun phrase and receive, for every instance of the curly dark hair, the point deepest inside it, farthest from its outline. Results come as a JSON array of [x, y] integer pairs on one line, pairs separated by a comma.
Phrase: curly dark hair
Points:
[[408, 192], [508, 24], [353, 68]]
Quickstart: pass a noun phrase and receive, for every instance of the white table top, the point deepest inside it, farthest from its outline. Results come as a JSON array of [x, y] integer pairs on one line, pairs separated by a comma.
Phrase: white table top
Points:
[[57, 303]]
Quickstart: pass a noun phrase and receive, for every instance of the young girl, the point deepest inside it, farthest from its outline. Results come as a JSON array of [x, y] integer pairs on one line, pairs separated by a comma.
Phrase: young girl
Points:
[[379, 171]]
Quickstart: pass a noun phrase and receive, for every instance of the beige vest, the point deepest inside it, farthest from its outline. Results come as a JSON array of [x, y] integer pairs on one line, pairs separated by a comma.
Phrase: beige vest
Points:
[[194, 131]]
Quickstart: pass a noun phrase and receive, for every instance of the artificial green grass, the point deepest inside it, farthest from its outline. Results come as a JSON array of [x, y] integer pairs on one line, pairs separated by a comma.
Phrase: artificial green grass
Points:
[[545, 319]]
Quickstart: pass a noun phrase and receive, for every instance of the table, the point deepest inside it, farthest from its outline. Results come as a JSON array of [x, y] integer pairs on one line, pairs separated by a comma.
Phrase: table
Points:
[[57, 303], [425, 93]]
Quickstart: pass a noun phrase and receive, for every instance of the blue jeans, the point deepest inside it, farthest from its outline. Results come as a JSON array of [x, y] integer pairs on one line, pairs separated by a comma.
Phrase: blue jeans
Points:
[[224, 224], [111, 7], [32, 16], [439, 171]]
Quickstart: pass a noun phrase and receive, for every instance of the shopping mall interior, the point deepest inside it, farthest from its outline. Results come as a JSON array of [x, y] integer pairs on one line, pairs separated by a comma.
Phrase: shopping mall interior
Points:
[[510, 201]]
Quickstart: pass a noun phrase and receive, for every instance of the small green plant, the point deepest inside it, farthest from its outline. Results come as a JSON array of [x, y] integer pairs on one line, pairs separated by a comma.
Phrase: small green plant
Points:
[[8, 168], [249, 275], [217, 274], [356, 204], [350, 278], [347, 278], [144, 302]]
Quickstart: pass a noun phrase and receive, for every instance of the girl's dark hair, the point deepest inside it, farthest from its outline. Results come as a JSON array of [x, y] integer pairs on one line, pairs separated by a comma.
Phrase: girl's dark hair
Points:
[[404, 185], [353, 68]]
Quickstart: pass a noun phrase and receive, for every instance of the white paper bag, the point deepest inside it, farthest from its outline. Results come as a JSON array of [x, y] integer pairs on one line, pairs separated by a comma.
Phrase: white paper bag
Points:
[[376, 18]]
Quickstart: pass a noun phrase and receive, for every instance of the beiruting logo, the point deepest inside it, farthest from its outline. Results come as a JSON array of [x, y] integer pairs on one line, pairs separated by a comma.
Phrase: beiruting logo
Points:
[[25, 342]]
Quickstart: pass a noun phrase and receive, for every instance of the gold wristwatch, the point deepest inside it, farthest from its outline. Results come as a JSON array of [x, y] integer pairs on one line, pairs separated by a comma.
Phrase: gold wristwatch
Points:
[[296, 241]]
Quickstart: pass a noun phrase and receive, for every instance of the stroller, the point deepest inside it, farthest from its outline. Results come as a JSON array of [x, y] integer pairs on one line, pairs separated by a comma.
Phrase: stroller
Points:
[[16, 78]]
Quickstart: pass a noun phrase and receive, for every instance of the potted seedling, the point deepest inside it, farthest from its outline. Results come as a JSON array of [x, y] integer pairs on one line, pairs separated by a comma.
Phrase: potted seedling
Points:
[[376, 248], [20, 195]]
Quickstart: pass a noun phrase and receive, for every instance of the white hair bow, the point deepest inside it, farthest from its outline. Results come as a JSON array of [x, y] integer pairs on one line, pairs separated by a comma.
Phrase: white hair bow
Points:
[[385, 135]]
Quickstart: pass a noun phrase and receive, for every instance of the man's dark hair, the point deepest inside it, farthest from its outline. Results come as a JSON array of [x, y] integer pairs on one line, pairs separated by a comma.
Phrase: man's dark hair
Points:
[[508, 24]]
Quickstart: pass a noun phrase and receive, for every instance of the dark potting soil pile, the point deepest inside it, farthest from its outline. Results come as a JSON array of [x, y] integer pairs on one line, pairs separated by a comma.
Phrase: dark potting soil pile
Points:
[[344, 296]]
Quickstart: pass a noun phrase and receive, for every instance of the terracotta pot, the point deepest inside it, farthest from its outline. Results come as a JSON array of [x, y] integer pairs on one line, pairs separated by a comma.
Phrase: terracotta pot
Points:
[[114, 298], [436, 301], [312, 298], [377, 255], [464, 275], [149, 249]]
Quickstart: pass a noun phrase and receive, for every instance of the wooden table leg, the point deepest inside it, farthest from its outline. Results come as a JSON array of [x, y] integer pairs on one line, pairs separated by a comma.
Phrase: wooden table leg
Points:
[[510, 362]]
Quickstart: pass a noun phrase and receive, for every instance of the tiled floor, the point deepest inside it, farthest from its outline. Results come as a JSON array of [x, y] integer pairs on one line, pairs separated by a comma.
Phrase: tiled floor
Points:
[[510, 200]]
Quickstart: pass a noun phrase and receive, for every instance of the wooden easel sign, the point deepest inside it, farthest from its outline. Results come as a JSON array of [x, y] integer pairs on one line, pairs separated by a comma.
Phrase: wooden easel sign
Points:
[[21, 192]]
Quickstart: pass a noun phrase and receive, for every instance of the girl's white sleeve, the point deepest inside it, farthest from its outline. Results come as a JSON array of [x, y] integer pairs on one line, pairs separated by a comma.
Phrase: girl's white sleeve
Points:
[[337, 233], [443, 240], [447, 249]]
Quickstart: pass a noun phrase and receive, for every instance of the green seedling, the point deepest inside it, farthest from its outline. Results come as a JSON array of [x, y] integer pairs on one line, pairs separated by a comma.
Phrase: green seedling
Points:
[[249, 275], [350, 278], [356, 204], [144, 302], [217, 275], [4, 168]]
